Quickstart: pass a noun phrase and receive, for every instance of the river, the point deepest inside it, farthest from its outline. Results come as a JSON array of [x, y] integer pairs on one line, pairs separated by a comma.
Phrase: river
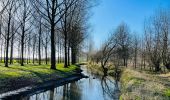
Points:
[[95, 87]]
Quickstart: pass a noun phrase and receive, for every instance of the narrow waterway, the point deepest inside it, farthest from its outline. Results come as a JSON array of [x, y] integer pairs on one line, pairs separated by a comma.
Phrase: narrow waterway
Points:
[[95, 87]]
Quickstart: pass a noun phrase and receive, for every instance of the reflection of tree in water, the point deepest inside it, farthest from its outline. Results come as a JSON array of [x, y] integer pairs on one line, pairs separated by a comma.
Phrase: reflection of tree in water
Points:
[[75, 91], [47, 95], [51, 94], [71, 92], [65, 92], [110, 88]]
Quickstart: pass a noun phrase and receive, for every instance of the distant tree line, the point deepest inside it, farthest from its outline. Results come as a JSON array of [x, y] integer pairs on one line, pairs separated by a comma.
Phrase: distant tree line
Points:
[[42, 29], [149, 50]]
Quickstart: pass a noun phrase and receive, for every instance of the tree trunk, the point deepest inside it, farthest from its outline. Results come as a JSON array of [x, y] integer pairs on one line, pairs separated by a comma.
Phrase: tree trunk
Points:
[[53, 59], [1, 53], [144, 62], [29, 53], [22, 48], [46, 55], [157, 68], [135, 58], [73, 56], [33, 53], [68, 56], [7, 45], [124, 61], [7, 41], [60, 53], [11, 55], [5, 51], [58, 47], [39, 46], [105, 71], [65, 51]]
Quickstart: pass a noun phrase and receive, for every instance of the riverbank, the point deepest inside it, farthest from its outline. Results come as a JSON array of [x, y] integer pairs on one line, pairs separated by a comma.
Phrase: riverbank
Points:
[[140, 85], [97, 69], [15, 76]]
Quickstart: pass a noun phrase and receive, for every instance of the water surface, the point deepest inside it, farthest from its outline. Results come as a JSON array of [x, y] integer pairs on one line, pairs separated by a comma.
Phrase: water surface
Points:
[[95, 87]]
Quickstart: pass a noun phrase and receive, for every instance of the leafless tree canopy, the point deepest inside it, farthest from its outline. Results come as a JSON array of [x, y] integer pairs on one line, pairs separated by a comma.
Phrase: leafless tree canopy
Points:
[[35, 28]]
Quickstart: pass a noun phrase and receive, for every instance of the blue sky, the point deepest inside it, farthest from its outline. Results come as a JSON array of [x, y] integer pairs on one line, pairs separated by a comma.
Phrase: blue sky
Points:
[[110, 13]]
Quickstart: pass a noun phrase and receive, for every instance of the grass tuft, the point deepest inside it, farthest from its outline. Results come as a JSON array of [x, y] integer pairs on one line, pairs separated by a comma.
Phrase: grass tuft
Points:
[[167, 92]]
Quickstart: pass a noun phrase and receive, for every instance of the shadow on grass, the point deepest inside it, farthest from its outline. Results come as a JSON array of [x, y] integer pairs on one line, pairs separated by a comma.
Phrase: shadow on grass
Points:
[[42, 72]]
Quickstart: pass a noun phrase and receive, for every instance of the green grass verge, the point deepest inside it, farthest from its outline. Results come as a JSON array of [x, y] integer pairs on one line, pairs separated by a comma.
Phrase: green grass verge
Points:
[[16, 70], [16, 75]]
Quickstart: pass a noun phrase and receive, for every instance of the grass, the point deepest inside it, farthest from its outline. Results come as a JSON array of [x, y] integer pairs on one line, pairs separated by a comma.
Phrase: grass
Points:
[[167, 92], [17, 71], [30, 73], [137, 85]]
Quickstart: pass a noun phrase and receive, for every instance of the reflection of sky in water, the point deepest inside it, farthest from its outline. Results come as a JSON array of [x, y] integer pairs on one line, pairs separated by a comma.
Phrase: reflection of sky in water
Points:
[[84, 89]]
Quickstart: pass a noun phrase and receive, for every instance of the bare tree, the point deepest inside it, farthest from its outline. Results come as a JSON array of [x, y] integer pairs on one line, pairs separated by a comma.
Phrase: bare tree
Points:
[[142, 52], [107, 52], [39, 42], [66, 23], [34, 40], [123, 39], [153, 39], [10, 10], [52, 11], [135, 49], [164, 20], [45, 42], [24, 18], [77, 28], [12, 42]]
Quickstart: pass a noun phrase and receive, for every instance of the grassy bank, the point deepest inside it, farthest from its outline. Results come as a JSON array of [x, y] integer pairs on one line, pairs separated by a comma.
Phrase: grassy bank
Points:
[[96, 68], [143, 86], [16, 76]]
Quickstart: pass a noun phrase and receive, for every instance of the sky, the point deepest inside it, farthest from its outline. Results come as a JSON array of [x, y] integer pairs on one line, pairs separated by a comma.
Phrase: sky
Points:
[[110, 13]]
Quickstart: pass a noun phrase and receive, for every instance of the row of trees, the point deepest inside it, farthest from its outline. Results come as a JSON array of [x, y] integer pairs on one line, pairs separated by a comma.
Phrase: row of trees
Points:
[[31, 27], [152, 49]]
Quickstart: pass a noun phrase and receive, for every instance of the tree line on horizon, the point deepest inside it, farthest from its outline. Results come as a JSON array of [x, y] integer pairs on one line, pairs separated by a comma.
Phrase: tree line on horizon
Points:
[[150, 51], [36, 28]]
